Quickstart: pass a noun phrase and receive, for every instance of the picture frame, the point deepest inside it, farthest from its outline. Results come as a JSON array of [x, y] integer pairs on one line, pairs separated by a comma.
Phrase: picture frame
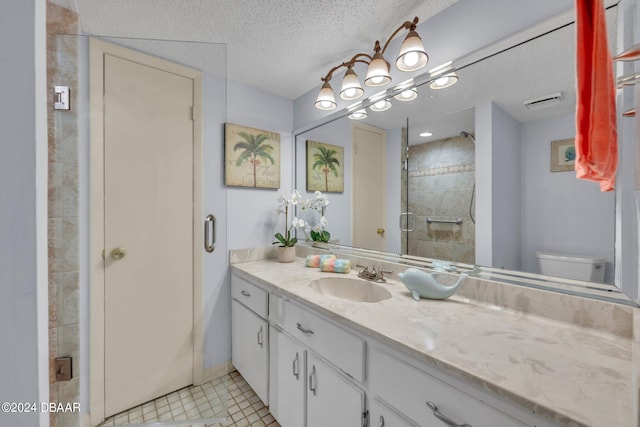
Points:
[[325, 167], [563, 155], [251, 157]]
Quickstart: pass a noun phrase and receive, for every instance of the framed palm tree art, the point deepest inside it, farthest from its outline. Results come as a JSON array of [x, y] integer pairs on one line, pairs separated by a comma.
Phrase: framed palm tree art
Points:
[[251, 157], [325, 167]]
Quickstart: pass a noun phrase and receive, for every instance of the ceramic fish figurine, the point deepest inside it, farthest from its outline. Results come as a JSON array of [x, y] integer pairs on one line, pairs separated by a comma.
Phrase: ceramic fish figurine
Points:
[[426, 285]]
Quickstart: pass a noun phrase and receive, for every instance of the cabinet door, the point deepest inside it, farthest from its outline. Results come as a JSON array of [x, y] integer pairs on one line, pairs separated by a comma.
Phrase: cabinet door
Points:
[[286, 379], [382, 416], [249, 346], [331, 400]]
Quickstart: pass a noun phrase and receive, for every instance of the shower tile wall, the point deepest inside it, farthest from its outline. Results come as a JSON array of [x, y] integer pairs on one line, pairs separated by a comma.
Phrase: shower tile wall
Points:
[[440, 182], [63, 212]]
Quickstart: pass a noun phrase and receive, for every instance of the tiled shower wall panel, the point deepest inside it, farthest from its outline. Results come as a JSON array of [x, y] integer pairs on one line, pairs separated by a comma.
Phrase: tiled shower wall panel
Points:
[[440, 186], [63, 211]]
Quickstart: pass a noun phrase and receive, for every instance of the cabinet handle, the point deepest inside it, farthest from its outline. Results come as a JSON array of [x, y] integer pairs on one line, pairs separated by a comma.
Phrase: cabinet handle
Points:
[[303, 330], [448, 421], [312, 380], [245, 293], [259, 337], [296, 366], [381, 423]]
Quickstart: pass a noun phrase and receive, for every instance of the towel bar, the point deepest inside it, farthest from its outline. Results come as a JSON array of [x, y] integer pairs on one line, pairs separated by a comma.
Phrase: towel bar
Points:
[[445, 221]]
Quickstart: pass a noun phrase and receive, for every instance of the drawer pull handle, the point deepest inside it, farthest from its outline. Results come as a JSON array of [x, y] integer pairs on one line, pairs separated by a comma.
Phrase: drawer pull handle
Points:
[[381, 423], [296, 366], [303, 330], [448, 421], [259, 337], [312, 380], [245, 293]]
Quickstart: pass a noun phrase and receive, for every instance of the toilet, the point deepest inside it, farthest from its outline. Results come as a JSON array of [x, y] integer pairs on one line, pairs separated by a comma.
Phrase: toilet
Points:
[[577, 267]]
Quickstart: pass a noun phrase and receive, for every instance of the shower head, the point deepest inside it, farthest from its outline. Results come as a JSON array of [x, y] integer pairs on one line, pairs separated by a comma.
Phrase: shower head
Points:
[[465, 134]]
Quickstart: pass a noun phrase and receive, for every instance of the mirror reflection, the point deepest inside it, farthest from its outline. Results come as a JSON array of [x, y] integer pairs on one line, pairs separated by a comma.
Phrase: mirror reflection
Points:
[[476, 173]]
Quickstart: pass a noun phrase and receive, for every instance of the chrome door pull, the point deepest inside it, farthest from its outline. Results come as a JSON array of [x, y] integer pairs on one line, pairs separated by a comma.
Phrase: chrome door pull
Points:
[[381, 423], [448, 421], [413, 221], [296, 366], [259, 337], [312, 380], [245, 293], [210, 233], [303, 330]]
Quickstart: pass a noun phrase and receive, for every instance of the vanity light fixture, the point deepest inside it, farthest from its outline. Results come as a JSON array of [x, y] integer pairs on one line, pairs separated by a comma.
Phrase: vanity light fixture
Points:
[[381, 105], [443, 76], [358, 114], [408, 94], [426, 134], [412, 57]]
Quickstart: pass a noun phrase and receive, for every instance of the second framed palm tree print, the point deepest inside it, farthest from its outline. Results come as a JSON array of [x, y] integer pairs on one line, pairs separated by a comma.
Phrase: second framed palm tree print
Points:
[[251, 157], [325, 167]]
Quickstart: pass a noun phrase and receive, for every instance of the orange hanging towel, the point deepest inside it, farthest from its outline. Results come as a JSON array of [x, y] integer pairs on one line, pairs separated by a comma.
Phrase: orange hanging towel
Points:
[[596, 133]]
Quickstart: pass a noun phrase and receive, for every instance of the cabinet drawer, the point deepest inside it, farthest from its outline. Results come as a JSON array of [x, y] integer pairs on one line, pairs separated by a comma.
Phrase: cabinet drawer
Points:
[[249, 295], [408, 390], [343, 349]]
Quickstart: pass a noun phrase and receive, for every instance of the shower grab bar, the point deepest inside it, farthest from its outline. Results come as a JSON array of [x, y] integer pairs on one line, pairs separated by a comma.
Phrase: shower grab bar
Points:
[[210, 230], [445, 221]]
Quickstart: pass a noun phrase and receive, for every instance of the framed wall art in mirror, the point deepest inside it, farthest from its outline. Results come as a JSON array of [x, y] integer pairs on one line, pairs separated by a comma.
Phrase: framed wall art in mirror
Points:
[[325, 167]]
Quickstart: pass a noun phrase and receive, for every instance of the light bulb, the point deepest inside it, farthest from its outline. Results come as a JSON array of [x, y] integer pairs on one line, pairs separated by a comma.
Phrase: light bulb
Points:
[[381, 104], [349, 93], [406, 94], [325, 104], [377, 80], [410, 59], [442, 81]]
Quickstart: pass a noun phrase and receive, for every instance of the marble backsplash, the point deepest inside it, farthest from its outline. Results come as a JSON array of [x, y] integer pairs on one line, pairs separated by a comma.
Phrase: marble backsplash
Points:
[[607, 317]]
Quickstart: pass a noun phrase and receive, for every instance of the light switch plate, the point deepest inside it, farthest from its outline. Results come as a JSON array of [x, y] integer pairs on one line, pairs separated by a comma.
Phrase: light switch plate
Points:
[[61, 98]]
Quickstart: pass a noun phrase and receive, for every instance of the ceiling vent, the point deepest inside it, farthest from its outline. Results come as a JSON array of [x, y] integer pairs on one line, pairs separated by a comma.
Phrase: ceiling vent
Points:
[[544, 101]]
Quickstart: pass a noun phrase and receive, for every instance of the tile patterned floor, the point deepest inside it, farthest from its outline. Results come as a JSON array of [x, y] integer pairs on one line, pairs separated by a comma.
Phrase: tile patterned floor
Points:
[[228, 398]]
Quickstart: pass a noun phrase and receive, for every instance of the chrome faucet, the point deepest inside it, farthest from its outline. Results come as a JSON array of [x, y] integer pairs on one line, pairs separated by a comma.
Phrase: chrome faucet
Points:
[[373, 274]]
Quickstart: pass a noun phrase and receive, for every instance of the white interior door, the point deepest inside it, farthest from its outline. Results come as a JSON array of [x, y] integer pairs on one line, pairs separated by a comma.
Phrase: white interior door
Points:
[[369, 187], [148, 229]]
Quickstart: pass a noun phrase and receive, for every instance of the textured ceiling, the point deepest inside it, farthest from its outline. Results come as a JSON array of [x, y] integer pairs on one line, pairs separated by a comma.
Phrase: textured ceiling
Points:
[[280, 46]]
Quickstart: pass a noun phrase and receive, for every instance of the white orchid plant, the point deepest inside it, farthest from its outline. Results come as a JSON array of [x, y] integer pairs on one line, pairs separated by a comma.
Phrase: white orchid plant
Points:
[[318, 203], [287, 239]]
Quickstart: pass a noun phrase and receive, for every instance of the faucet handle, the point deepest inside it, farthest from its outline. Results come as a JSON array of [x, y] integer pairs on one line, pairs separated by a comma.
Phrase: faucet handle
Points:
[[363, 266]]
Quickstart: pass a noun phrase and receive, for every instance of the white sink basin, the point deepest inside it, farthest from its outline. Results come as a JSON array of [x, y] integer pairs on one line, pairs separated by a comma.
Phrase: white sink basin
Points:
[[348, 289]]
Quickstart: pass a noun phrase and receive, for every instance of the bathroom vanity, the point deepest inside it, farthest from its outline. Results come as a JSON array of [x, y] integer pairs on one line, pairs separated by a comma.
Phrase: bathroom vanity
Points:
[[318, 359]]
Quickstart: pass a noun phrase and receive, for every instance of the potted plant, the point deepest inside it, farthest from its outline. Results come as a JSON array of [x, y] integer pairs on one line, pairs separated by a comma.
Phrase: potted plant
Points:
[[318, 232], [286, 242]]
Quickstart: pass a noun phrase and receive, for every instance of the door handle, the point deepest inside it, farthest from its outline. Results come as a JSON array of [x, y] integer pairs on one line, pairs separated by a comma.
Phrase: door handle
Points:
[[439, 415], [118, 253], [303, 330], [210, 233], [413, 221]]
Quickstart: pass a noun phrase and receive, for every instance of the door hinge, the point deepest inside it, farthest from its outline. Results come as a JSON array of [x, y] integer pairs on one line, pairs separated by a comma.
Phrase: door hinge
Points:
[[365, 419], [193, 113], [193, 336]]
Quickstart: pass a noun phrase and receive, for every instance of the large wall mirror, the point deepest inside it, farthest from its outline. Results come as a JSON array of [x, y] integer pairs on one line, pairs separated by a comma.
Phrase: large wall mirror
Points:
[[478, 173]]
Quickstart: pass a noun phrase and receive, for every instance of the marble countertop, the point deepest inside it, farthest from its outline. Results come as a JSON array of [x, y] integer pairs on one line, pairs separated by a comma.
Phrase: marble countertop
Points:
[[574, 375]]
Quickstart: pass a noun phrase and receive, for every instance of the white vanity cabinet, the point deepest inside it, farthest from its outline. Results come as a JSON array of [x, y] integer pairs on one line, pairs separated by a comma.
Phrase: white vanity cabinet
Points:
[[287, 379], [331, 399], [303, 385], [250, 335], [380, 415]]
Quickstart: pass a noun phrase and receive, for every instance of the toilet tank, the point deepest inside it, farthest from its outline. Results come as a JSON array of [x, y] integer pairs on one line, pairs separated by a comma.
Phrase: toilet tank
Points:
[[577, 267]]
